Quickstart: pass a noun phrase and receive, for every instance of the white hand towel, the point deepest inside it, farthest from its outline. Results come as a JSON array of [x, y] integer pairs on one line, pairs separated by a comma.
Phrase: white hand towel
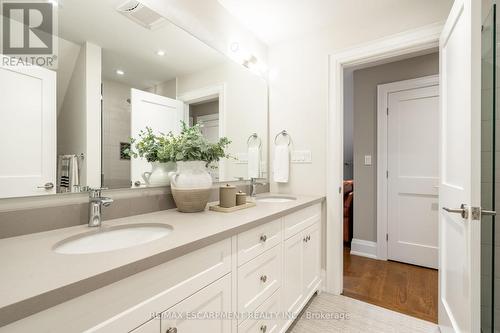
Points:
[[74, 173], [68, 173], [281, 165], [254, 162]]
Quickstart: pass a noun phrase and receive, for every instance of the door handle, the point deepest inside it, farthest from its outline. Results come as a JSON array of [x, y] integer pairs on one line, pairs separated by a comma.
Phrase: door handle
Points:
[[463, 211], [477, 212], [47, 186]]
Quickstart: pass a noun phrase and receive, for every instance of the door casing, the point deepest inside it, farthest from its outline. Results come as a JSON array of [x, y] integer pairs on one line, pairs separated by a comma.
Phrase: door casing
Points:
[[410, 42]]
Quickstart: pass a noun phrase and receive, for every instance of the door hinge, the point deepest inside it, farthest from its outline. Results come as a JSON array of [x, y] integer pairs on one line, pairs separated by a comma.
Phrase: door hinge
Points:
[[387, 237], [387, 110], [387, 174]]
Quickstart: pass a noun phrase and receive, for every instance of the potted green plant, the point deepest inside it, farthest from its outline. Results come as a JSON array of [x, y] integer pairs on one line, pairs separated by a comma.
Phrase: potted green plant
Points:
[[152, 147], [193, 153]]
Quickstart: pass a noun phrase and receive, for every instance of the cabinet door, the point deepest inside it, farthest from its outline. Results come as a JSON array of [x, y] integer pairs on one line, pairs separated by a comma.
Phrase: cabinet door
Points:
[[293, 286], [152, 326], [201, 312], [311, 257]]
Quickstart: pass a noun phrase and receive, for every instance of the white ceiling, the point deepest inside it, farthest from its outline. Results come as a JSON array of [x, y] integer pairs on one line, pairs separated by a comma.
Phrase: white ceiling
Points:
[[273, 21], [132, 48]]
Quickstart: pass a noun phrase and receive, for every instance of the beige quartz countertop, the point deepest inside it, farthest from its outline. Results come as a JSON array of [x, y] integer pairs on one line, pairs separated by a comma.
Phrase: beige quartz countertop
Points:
[[33, 277]]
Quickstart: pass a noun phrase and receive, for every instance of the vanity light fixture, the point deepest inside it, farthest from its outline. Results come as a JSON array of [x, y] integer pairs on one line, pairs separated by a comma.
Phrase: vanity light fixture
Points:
[[120, 72], [161, 53]]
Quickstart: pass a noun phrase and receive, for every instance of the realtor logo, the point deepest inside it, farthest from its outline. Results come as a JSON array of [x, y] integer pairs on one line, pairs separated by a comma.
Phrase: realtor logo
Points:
[[28, 33]]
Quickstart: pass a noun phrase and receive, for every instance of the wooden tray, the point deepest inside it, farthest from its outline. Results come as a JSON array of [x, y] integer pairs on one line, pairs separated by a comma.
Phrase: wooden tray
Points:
[[217, 208]]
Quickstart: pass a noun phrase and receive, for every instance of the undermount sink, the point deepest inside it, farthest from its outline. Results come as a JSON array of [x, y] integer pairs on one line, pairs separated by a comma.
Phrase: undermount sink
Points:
[[276, 199], [112, 238]]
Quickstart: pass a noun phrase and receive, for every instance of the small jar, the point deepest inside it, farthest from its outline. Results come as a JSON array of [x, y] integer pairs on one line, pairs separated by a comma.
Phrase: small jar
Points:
[[241, 198], [227, 196]]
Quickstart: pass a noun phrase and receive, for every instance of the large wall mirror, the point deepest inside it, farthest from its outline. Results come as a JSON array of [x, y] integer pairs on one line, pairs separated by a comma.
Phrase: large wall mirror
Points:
[[121, 69]]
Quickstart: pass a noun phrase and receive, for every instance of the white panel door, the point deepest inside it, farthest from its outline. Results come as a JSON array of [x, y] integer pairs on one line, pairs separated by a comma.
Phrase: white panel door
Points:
[[459, 255], [413, 164], [28, 132], [192, 315], [161, 114]]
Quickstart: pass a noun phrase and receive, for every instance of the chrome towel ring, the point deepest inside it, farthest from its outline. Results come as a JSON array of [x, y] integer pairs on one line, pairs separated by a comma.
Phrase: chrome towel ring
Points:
[[254, 137], [285, 134]]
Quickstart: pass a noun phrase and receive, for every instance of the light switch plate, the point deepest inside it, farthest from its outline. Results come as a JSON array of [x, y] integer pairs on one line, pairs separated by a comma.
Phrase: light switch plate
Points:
[[301, 156], [368, 159]]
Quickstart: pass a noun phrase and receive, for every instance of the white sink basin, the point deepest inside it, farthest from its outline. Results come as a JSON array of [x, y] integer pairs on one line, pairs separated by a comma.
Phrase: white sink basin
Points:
[[113, 238], [275, 198]]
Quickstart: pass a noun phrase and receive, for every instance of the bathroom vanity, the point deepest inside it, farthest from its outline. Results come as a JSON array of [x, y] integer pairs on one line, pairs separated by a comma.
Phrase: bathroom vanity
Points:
[[248, 271]]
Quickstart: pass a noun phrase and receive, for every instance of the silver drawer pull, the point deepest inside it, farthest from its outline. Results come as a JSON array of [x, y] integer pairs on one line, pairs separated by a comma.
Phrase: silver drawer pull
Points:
[[263, 278], [263, 328], [263, 238], [47, 186]]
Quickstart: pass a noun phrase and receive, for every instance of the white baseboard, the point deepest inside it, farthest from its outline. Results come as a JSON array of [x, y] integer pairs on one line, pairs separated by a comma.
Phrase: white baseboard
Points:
[[364, 248]]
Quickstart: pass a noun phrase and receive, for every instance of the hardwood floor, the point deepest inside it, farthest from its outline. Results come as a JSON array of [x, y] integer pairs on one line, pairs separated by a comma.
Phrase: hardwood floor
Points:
[[408, 289]]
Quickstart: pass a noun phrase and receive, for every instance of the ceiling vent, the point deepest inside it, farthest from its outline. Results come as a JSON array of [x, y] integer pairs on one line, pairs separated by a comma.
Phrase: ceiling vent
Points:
[[141, 14]]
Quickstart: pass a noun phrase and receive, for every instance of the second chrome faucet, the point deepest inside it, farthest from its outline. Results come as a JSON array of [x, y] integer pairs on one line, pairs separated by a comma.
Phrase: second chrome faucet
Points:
[[96, 201]]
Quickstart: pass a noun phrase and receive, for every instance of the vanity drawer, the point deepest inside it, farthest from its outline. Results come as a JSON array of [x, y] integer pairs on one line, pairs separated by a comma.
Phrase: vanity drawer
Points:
[[257, 240], [302, 219], [267, 317], [258, 279]]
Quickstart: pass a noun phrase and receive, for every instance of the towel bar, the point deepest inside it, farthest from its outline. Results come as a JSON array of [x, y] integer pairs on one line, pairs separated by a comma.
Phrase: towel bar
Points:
[[283, 133], [254, 136]]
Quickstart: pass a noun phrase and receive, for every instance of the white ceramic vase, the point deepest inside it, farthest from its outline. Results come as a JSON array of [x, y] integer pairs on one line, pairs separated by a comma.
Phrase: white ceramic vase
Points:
[[191, 185], [160, 174]]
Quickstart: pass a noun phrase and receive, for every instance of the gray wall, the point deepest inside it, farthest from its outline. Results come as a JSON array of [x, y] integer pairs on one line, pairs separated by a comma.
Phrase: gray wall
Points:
[[365, 133]]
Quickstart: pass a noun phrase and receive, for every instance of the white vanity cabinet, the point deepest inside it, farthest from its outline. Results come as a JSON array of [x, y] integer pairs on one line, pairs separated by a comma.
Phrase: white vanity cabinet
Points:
[[246, 283], [276, 267]]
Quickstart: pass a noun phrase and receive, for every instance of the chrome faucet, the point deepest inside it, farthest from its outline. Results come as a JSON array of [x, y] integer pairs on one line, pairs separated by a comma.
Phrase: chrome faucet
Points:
[[253, 186], [96, 202]]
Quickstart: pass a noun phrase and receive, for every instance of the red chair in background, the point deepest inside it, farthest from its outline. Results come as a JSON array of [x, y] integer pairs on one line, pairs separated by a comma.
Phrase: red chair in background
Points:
[[348, 211]]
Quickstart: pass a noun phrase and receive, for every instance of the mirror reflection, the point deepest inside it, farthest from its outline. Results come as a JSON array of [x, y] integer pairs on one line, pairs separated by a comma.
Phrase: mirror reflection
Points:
[[122, 70]]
